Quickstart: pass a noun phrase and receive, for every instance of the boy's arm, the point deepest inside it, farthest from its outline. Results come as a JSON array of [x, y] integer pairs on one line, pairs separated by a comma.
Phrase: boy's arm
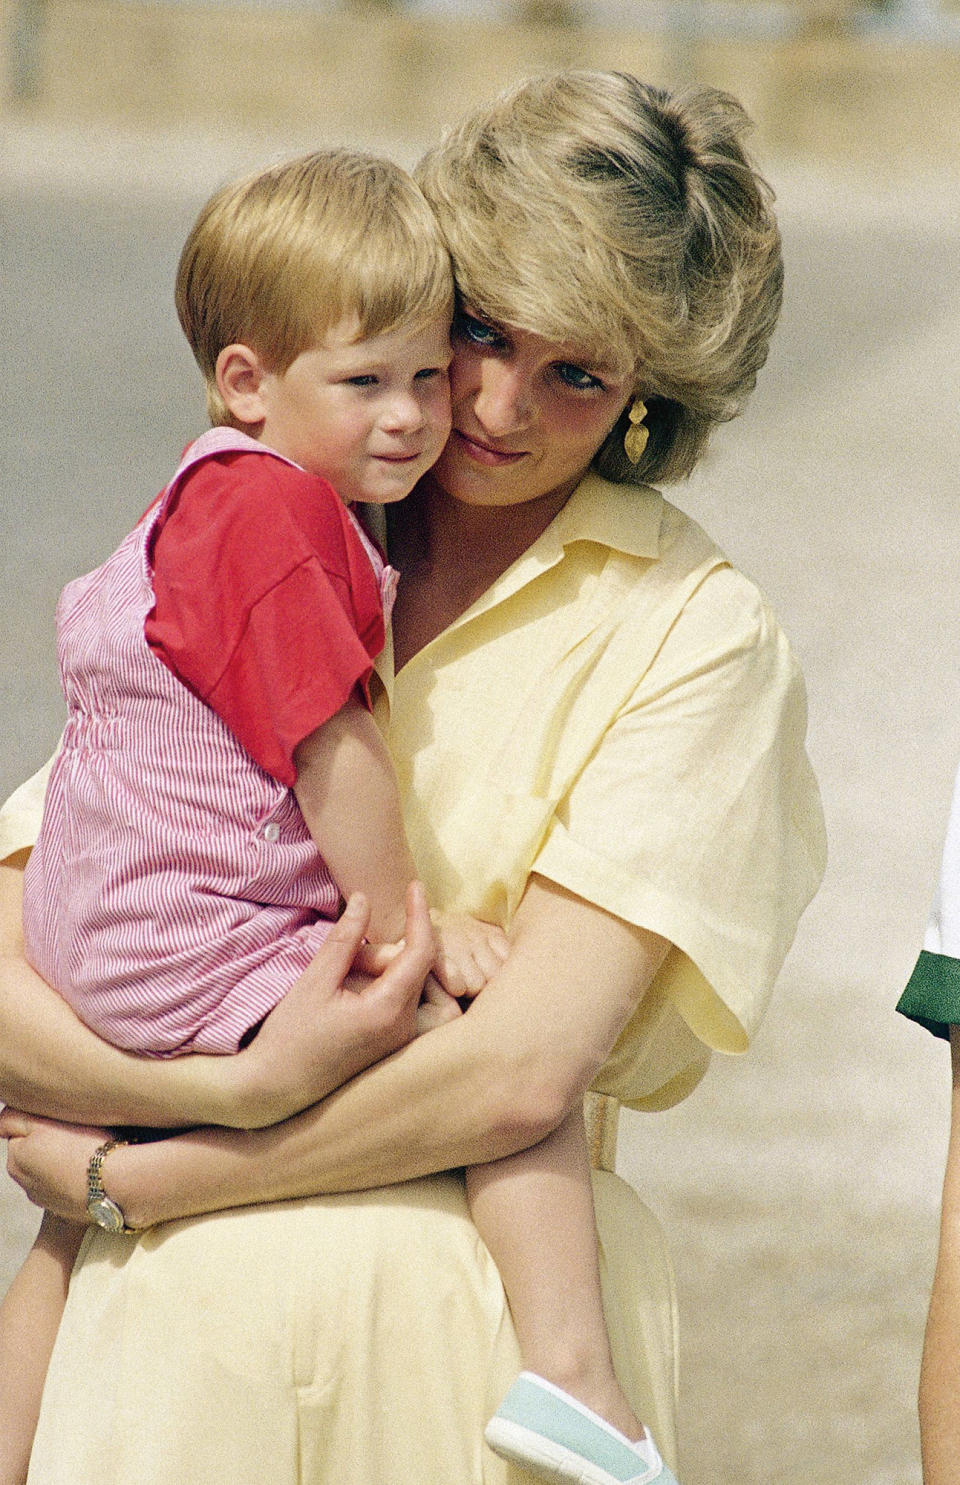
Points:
[[29, 1321], [347, 792]]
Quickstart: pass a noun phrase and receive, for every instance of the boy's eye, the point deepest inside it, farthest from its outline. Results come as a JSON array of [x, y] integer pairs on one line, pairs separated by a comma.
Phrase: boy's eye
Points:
[[368, 380], [576, 377], [475, 331], [429, 372]]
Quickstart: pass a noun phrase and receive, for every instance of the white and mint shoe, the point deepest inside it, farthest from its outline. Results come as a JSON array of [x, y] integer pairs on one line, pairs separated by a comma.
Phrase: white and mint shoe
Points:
[[545, 1429]]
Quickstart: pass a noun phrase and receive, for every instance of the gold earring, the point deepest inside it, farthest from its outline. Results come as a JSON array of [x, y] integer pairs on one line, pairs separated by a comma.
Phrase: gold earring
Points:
[[635, 438]]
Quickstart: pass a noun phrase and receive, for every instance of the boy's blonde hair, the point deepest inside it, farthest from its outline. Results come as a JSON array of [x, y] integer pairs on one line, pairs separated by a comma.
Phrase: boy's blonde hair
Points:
[[628, 223], [278, 259]]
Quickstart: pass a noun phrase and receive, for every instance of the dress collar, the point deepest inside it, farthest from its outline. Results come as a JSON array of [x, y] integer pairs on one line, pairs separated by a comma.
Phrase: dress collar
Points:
[[626, 518], [623, 518]]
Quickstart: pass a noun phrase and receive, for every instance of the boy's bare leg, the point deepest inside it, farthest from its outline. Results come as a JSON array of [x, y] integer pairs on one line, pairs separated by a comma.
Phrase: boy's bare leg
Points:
[[535, 1213], [29, 1319]]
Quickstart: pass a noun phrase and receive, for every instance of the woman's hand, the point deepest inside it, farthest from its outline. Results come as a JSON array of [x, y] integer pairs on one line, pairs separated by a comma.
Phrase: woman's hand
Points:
[[50, 1160], [332, 1024]]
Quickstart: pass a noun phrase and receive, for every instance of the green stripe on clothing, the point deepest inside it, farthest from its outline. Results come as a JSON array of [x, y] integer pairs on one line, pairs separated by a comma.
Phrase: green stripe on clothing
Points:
[[932, 996]]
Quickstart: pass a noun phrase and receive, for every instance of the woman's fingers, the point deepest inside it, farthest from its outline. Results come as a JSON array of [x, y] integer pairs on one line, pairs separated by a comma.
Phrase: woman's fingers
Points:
[[334, 1022], [15, 1124], [346, 936], [403, 977], [419, 937], [49, 1160]]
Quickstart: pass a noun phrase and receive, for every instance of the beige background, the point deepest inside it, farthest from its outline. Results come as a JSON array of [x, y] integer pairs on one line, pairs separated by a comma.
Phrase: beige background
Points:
[[799, 1185]]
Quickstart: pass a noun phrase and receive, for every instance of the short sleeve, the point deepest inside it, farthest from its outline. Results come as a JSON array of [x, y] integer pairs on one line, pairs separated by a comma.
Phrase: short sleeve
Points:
[[698, 816], [267, 606], [932, 994]]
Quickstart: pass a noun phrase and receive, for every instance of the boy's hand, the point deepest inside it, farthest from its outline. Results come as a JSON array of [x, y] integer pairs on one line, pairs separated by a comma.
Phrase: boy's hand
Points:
[[436, 1006], [469, 954]]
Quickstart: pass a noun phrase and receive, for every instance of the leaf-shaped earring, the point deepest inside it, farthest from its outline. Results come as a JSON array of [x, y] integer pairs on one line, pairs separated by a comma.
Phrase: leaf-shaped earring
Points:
[[635, 438]]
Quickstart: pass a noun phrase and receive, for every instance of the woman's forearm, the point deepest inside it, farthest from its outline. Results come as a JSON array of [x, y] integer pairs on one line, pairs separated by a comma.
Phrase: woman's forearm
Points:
[[50, 1063], [327, 1027], [495, 1081]]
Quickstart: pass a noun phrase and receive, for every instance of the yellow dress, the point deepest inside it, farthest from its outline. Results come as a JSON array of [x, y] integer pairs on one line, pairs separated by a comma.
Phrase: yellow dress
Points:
[[621, 714]]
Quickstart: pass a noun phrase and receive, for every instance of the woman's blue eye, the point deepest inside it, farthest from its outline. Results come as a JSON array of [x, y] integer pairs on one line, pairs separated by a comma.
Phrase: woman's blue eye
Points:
[[476, 330], [575, 376]]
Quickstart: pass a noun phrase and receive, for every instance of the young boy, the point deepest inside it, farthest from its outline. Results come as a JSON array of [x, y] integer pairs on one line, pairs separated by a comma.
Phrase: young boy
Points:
[[216, 666], [221, 782]]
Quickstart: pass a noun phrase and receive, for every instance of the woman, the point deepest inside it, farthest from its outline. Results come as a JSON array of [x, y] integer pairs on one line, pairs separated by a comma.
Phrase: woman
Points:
[[598, 730]]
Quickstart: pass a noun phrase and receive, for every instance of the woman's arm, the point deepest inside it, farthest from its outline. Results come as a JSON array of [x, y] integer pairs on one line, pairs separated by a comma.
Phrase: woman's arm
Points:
[[495, 1081], [51, 1064], [940, 1372]]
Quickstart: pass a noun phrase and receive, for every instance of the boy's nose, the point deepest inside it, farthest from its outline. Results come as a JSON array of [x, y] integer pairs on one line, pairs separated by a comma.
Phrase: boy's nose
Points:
[[405, 413]]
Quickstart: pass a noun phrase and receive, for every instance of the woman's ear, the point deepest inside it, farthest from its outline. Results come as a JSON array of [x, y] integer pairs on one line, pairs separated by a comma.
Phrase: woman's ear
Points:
[[240, 378]]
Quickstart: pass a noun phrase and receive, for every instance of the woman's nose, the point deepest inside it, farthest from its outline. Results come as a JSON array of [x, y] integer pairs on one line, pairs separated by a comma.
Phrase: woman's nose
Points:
[[504, 401]]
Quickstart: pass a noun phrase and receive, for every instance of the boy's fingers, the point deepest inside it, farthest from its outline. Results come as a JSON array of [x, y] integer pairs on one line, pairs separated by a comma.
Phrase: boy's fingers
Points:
[[499, 943], [451, 977], [491, 950], [433, 992]]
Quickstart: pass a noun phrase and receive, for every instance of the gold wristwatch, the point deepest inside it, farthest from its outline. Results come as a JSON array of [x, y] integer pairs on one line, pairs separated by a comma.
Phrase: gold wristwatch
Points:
[[101, 1208]]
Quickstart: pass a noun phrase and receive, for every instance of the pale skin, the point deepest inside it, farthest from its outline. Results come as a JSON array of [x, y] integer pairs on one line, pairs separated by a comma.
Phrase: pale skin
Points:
[[940, 1372], [481, 1088]]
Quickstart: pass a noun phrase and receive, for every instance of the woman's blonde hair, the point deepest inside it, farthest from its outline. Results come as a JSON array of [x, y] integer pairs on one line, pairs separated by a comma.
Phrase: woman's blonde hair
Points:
[[628, 222], [276, 260]]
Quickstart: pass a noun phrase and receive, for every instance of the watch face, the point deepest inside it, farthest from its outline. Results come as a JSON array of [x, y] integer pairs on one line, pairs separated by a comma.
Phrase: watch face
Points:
[[106, 1213]]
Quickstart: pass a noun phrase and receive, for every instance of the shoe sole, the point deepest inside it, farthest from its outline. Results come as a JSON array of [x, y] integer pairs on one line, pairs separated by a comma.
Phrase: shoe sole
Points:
[[524, 1447]]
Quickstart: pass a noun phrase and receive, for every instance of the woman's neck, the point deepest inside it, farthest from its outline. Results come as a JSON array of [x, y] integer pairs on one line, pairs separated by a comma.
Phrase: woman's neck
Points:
[[450, 553]]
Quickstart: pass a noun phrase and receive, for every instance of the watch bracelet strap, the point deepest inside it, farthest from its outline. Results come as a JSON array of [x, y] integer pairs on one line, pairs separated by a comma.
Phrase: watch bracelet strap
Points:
[[95, 1186]]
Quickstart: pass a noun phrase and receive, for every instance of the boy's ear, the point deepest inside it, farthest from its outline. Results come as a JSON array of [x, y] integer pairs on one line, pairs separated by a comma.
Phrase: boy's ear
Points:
[[240, 379]]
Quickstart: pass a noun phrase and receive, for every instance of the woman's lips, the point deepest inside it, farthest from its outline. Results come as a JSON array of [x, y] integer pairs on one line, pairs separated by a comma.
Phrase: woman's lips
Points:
[[483, 453]]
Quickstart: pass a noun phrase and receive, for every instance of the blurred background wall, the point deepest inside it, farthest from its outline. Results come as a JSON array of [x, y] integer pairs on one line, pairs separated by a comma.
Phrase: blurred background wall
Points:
[[829, 76], [799, 1186]]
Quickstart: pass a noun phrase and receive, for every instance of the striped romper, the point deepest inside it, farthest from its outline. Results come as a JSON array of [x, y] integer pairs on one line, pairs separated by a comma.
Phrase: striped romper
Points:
[[175, 892]]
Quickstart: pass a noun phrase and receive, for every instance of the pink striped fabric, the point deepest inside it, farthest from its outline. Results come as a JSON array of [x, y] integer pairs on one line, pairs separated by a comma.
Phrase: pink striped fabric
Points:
[[174, 892]]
